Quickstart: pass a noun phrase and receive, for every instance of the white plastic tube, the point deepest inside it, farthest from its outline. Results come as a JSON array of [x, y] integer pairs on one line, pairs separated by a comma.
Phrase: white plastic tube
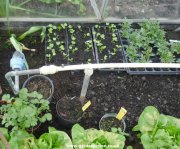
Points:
[[51, 69]]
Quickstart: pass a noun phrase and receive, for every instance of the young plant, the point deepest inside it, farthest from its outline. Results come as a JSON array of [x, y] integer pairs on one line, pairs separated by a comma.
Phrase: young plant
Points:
[[54, 45], [158, 130], [20, 139], [144, 40], [25, 111], [91, 137]]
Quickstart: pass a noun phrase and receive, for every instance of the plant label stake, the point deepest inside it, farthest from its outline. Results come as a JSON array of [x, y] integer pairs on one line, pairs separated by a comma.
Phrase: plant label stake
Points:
[[88, 73], [121, 113]]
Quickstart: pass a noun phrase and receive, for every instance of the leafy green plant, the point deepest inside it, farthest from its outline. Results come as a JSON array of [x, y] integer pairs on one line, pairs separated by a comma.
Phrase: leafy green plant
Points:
[[16, 138], [54, 139], [157, 130], [147, 41], [25, 111], [86, 139], [20, 139]]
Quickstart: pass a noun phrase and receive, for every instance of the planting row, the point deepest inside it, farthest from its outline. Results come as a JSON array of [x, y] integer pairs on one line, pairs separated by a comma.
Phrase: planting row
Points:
[[23, 114], [110, 43]]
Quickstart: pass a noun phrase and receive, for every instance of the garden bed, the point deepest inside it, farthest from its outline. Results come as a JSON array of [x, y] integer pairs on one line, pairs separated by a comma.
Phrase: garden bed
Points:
[[107, 91]]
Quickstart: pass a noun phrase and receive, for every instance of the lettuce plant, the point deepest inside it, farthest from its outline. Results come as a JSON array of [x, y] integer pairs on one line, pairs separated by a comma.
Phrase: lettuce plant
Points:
[[20, 139], [158, 131], [25, 111], [86, 139], [54, 139]]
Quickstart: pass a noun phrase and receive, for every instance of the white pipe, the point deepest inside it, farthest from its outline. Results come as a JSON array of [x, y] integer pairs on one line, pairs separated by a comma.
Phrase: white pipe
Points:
[[51, 69]]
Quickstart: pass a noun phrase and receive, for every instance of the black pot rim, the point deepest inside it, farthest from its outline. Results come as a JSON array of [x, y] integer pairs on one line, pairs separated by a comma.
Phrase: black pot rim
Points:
[[59, 114], [114, 116], [44, 77]]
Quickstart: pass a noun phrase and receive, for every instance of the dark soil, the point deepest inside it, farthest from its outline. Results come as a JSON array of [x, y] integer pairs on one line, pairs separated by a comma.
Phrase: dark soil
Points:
[[110, 45], [60, 36], [81, 56], [110, 122], [40, 85], [107, 91], [70, 108]]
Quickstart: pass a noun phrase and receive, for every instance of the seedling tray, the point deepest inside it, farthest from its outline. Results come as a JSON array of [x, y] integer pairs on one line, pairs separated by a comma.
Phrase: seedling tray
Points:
[[80, 45], [150, 71], [107, 55], [56, 46]]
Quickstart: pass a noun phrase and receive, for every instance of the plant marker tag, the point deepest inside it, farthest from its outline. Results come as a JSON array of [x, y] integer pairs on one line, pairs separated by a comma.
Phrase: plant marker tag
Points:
[[84, 108], [121, 113]]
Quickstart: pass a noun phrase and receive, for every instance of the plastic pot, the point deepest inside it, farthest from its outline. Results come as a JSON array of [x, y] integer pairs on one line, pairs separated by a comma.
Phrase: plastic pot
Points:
[[63, 120], [36, 82], [112, 116]]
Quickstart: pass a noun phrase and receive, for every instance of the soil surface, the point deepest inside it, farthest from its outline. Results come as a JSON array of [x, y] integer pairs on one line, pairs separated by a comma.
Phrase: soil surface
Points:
[[41, 85], [83, 54], [70, 108], [58, 39], [108, 91], [111, 122], [110, 46]]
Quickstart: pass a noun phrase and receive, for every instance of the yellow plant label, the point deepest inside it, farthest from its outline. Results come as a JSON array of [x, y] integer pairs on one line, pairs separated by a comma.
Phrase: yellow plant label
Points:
[[121, 113], [84, 108]]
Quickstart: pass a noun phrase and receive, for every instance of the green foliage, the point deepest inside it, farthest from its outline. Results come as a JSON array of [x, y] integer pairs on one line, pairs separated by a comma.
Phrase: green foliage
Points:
[[74, 2], [16, 139], [157, 130], [25, 111], [54, 139], [144, 41], [54, 44], [93, 137], [3, 4]]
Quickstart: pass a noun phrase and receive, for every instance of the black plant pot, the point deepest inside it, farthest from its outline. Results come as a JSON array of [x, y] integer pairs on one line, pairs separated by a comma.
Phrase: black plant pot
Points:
[[62, 110], [38, 83]]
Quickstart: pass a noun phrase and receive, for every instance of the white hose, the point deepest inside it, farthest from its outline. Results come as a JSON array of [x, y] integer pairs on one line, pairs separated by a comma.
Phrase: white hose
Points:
[[51, 69]]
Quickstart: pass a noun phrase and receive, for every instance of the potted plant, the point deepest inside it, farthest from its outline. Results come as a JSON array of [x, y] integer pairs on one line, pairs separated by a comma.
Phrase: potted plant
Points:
[[147, 44], [25, 111], [40, 83], [158, 130], [107, 44], [109, 121], [69, 111], [92, 138]]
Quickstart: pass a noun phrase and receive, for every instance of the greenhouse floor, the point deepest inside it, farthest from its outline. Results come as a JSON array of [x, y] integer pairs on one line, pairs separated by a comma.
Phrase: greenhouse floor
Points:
[[108, 91]]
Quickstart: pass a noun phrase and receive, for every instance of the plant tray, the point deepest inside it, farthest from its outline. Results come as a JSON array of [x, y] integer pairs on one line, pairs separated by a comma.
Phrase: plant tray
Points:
[[61, 41], [85, 52], [117, 58], [143, 71]]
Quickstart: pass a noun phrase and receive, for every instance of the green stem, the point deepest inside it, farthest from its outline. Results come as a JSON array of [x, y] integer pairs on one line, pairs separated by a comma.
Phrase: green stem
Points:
[[21, 4]]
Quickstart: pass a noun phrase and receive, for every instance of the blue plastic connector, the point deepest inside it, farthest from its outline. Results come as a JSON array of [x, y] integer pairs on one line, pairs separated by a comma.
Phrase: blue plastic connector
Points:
[[18, 61]]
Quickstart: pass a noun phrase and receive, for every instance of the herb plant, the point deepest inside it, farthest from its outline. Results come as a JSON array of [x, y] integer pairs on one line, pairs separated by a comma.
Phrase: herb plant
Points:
[[157, 130], [25, 111], [92, 137]]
